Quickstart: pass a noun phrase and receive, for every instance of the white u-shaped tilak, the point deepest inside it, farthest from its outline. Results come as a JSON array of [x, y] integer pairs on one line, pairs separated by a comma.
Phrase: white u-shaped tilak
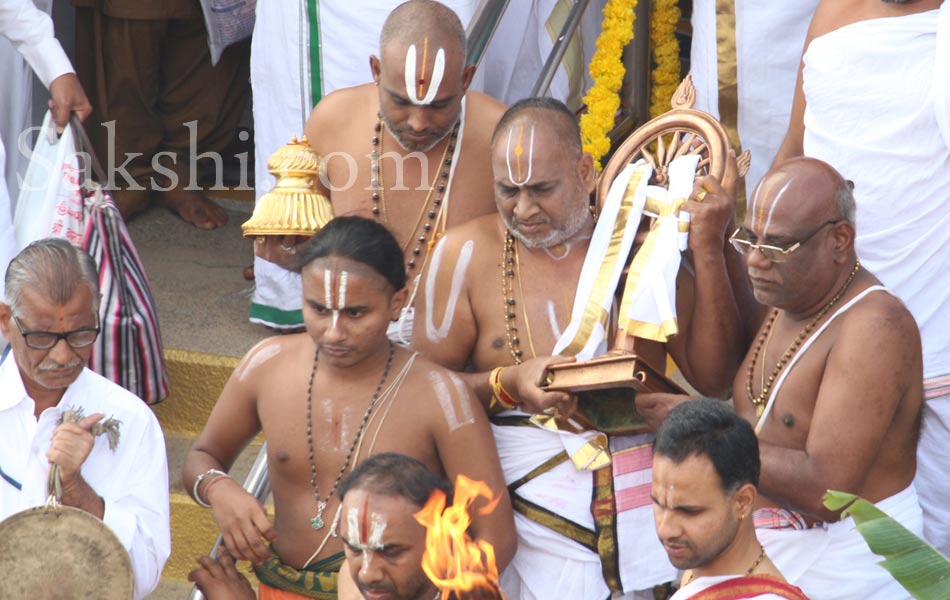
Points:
[[458, 279], [435, 81], [511, 176]]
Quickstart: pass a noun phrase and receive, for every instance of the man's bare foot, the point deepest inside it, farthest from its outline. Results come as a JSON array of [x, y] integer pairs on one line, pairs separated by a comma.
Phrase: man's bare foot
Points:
[[193, 207]]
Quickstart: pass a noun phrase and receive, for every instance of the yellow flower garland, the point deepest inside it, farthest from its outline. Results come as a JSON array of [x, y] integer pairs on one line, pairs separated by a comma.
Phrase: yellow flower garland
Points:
[[666, 52], [607, 71]]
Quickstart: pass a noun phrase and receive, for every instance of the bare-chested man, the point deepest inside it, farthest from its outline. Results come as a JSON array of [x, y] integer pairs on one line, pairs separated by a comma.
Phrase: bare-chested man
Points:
[[883, 118], [496, 298], [832, 383], [383, 541], [412, 149], [325, 400]]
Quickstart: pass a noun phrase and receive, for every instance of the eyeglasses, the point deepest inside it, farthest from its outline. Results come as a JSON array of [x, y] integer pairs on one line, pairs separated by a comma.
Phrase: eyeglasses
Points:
[[44, 340], [775, 254]]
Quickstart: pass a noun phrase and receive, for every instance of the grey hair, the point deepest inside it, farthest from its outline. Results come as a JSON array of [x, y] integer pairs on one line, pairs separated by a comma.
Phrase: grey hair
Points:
[[844, 198], [54, 268], [416, 16]]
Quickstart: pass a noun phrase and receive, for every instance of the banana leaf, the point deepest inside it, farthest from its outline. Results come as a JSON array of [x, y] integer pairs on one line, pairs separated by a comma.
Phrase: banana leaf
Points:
[[917, 566]]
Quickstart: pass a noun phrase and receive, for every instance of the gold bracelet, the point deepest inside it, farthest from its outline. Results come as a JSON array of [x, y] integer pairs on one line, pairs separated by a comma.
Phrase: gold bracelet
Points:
[[500, 396]]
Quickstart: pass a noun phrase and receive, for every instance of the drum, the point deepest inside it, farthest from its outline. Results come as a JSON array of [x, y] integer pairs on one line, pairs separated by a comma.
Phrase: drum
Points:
[[57, 552]]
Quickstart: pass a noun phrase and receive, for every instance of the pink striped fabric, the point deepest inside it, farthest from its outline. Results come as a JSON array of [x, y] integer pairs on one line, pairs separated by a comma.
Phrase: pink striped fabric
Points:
[[632, 476]]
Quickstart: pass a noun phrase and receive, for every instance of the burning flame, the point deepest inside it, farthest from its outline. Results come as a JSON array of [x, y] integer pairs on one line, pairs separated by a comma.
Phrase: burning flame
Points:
[[452, 561]]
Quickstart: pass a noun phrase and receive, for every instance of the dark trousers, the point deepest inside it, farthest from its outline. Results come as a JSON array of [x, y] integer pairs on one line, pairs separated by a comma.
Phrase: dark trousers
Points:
[[152, 76]]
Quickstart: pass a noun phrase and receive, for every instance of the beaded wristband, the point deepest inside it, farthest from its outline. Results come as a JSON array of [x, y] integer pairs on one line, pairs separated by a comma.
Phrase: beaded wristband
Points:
[[499, 396], [199, 479]]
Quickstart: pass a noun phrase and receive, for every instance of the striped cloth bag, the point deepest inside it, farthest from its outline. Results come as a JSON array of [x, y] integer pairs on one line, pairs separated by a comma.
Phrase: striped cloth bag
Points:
[[128, 350]]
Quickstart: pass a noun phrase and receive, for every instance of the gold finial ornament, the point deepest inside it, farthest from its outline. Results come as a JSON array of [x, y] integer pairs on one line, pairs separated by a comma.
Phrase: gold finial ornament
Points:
[[294, 206]]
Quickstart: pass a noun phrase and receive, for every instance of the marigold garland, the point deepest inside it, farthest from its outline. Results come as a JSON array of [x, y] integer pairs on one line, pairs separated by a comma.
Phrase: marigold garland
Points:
[[607, 71], [666, 51]]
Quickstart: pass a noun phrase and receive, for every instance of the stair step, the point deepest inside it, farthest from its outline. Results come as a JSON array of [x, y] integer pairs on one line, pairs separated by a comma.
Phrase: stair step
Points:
[[171, 590], [195, 380]]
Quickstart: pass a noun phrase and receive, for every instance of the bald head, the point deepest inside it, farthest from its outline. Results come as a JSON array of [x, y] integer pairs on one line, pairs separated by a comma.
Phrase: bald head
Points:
[[411, 22], [804, 189], [547, 113]]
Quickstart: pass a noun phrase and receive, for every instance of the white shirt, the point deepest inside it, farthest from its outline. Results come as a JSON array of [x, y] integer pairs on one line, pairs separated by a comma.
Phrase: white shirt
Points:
[[30, 30], [132, 481]]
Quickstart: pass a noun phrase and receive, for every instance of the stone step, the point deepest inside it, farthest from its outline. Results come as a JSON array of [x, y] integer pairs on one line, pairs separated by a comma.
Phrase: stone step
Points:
[[171, 590], [195, 380]]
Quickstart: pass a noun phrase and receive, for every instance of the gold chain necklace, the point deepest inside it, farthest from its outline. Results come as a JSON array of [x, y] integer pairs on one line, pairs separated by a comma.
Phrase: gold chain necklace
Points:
[[759, 400], [439, 182], [755, 563], [317, 521]]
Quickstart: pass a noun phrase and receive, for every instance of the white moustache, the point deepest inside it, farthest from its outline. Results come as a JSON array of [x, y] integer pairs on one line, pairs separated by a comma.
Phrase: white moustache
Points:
[[66, 367]]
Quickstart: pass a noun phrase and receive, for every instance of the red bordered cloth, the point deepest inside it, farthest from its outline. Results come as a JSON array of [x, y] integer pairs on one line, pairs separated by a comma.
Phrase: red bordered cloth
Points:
[[750, 586]]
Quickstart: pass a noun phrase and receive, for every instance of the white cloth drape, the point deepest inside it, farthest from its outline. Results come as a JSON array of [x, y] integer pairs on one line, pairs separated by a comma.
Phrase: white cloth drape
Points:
[[833, 562], [769, 40]]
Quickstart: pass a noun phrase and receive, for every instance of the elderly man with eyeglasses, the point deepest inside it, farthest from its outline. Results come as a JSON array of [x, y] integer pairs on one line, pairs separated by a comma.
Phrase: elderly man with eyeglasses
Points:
[[53, 410], [831, 383]]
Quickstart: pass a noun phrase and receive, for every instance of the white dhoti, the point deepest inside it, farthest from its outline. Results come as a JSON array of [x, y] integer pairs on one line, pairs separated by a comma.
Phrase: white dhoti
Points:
[[933, 463], [833, 562], [768, 40], [883, 120], [550, 564]]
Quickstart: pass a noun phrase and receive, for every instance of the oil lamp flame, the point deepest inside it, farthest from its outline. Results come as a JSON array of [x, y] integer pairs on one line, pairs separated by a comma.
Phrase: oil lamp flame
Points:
[[460, 567]]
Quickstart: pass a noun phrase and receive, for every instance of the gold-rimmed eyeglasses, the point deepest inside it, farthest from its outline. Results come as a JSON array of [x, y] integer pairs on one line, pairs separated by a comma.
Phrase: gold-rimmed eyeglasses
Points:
[[740, 240]]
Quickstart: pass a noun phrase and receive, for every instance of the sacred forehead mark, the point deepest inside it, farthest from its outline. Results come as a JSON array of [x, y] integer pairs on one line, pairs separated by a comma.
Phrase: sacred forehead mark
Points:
[[521, 174], [764, 220], [414, 86], [328, 293], [365, 529]]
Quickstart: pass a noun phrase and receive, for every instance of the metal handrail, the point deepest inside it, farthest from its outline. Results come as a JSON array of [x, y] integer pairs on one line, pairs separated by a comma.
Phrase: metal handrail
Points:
[[634, 96], [257, 483], [571, 24], [482, 28]]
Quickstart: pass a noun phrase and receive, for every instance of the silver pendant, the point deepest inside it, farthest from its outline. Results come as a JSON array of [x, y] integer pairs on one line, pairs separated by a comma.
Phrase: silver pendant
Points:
[[317, 521]]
